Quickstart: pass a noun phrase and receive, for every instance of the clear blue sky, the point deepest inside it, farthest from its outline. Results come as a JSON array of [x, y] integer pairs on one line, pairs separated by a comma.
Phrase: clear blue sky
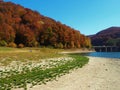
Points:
[[87, 16]]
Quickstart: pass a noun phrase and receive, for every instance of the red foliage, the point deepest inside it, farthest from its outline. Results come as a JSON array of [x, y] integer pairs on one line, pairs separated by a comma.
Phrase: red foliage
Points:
[[22, 25]]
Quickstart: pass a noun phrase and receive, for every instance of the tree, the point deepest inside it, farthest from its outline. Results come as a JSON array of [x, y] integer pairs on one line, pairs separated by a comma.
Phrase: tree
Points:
[[26, 36], [7, 33], [21, 25]]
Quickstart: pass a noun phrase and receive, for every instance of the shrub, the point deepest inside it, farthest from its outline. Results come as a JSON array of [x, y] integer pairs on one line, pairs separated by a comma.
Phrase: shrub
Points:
[[12, 44], [3, 43], [36, 44], [60, 45], [21, 46]]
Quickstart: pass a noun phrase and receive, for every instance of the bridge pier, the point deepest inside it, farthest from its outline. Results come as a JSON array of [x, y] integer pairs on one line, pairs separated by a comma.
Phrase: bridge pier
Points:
[[110, 49], [106, 48]]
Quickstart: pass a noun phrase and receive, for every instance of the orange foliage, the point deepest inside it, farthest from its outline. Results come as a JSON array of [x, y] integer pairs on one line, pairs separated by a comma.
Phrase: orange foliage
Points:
[[22, 25]]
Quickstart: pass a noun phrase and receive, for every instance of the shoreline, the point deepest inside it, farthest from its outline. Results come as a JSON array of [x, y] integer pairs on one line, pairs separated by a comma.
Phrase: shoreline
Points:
[[98, 74], [77, 51]]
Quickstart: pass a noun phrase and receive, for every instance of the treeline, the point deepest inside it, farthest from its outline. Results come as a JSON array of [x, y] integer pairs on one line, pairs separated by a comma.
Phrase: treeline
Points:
[[107, 37], [24, 27]]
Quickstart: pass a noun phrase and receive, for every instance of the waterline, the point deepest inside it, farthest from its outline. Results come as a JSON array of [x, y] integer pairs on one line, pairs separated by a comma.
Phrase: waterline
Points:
[[104, 54]]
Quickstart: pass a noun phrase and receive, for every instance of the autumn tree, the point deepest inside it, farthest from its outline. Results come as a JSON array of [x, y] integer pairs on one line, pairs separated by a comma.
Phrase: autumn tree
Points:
[[24, 27]]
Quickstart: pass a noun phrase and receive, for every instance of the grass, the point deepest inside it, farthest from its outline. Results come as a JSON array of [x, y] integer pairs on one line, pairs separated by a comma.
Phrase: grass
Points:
[[7, 55], [5, 49], [31, 74]]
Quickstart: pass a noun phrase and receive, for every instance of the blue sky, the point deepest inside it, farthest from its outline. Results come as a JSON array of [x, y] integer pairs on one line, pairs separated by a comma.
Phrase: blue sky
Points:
[[87, 16]]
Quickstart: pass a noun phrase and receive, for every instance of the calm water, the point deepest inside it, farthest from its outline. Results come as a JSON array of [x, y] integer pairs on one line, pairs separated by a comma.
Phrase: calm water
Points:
[[104, 54]]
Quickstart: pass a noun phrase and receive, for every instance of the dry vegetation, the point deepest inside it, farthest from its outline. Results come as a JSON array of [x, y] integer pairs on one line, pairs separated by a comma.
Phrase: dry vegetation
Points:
[[34, 66], [7, 55]]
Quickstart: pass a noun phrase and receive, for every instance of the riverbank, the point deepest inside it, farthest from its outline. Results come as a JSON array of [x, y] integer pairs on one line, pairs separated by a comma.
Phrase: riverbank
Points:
[[36, 71], [98, 74], [70, 51]]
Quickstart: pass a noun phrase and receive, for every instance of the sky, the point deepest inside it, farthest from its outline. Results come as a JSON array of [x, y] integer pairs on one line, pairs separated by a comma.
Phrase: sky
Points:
[[87, 16]]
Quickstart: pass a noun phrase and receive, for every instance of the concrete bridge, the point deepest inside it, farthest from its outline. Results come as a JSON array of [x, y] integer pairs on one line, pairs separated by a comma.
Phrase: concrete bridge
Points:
[[106, 48]]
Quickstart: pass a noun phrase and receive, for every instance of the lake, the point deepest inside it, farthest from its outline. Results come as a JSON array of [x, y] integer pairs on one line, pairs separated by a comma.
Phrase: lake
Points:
[[104, 54]]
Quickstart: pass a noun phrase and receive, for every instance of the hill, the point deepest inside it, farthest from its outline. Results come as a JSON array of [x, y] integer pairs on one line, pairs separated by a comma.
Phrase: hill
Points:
[[107, 37], [19, 25]]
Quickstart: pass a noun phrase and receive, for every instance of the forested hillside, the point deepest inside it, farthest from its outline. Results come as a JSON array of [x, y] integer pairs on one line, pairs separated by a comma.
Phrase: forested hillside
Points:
[[22, 26], [107, 37]]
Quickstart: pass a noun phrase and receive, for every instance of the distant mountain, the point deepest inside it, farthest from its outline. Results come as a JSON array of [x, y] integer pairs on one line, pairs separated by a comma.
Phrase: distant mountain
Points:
[[107, 37], [19, 25]]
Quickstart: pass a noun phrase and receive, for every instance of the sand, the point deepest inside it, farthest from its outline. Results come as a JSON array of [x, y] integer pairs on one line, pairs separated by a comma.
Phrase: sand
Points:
[[98, 74]]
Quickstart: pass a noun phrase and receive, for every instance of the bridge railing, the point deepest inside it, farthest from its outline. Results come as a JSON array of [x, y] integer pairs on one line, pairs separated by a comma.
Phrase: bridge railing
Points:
[[106, 48]]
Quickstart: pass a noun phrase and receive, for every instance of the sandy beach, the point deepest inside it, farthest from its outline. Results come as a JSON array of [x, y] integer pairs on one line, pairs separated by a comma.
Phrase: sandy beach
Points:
[[98, 74]]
